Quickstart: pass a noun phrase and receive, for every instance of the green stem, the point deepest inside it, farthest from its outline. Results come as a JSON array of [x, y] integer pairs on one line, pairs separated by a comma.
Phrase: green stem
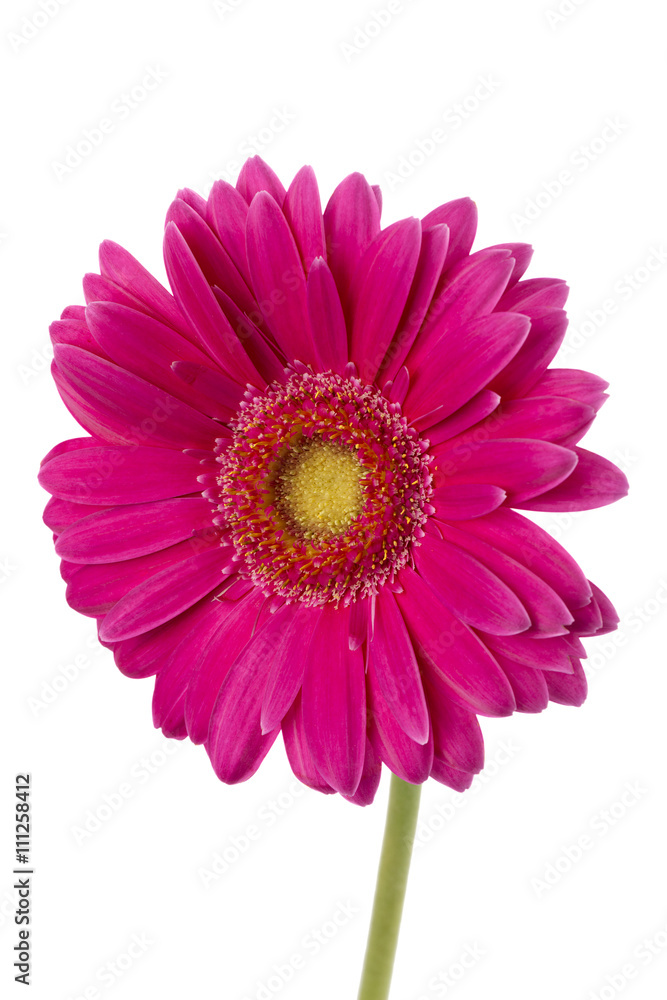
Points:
[[392, 879]]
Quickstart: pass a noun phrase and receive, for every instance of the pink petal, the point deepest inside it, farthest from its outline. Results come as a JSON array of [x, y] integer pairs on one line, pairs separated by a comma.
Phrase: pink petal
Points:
[[124, 270], [457, 734], [535, 295], [573, 384], [522, 467], [103, 475], [461, 218], [196, 299], [472, 289], [410, 760], [472, 355], [145, 347], [283, 643], [541, 346], [93, 590], [256, 176], [278, 279], [469, 589], [432, 253], [542, 654], [130, 531], [303, 211], [451, 776], [298, 752], [394, 666], [227, 213], [533, 547], [543, 417], [351, 223], [216, 265], [567, 689], [147, 653], [334, 702], [480, 406], [549, 613], [327, 321], [167, 593], [122, 408], [217, 648], [370, 777], [380, 292], [529, 686], [461, 501], [522, 254], [61, 514], [447, 646], [595, 482]]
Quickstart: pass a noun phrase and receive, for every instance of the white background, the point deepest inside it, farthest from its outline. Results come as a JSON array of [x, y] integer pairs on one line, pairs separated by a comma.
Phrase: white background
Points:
[[353, 102]]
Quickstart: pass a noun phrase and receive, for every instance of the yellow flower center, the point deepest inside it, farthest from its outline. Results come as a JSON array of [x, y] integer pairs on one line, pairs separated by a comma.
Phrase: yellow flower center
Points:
[[318, 488]]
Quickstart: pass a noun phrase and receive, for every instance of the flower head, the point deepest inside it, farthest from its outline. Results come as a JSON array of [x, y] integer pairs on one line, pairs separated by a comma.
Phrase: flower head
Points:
[[298, 501]]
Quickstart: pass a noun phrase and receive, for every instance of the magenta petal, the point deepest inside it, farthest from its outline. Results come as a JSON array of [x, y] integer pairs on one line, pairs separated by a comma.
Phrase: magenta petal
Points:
[[572, 384], [529, 686], [93, 590], [216, 265], [461, 218], [457, 735], [130, 531], [480, 406], [469, 589], [217, 647], [227, 212], [255, 176], [451, 776], [61, 514], [535, 295], [124, 270], [334, 702], [522, 467], [145, 347], [124, 409], [370, 777], [278, 278], [220, 394], [199, 304], [283, 642], [546, 418], [410, 760], [167, 593], [380, 292], [594, 482], [103, 475], [540, 653], [303, 211], [567, 689], [351, 223], [541, 345], [522, 254], [459, 368], [298, 752], [395, 669], [548, 612], [609, 614], [76, 333], [236, 743], [472, 289], [147, 653], [432, 253], [460, 501], [447, 646], [534, 547], [327, 320]]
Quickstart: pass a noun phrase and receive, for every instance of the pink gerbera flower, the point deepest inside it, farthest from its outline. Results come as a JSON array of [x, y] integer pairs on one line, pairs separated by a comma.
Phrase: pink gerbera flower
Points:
[[297, 505]]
